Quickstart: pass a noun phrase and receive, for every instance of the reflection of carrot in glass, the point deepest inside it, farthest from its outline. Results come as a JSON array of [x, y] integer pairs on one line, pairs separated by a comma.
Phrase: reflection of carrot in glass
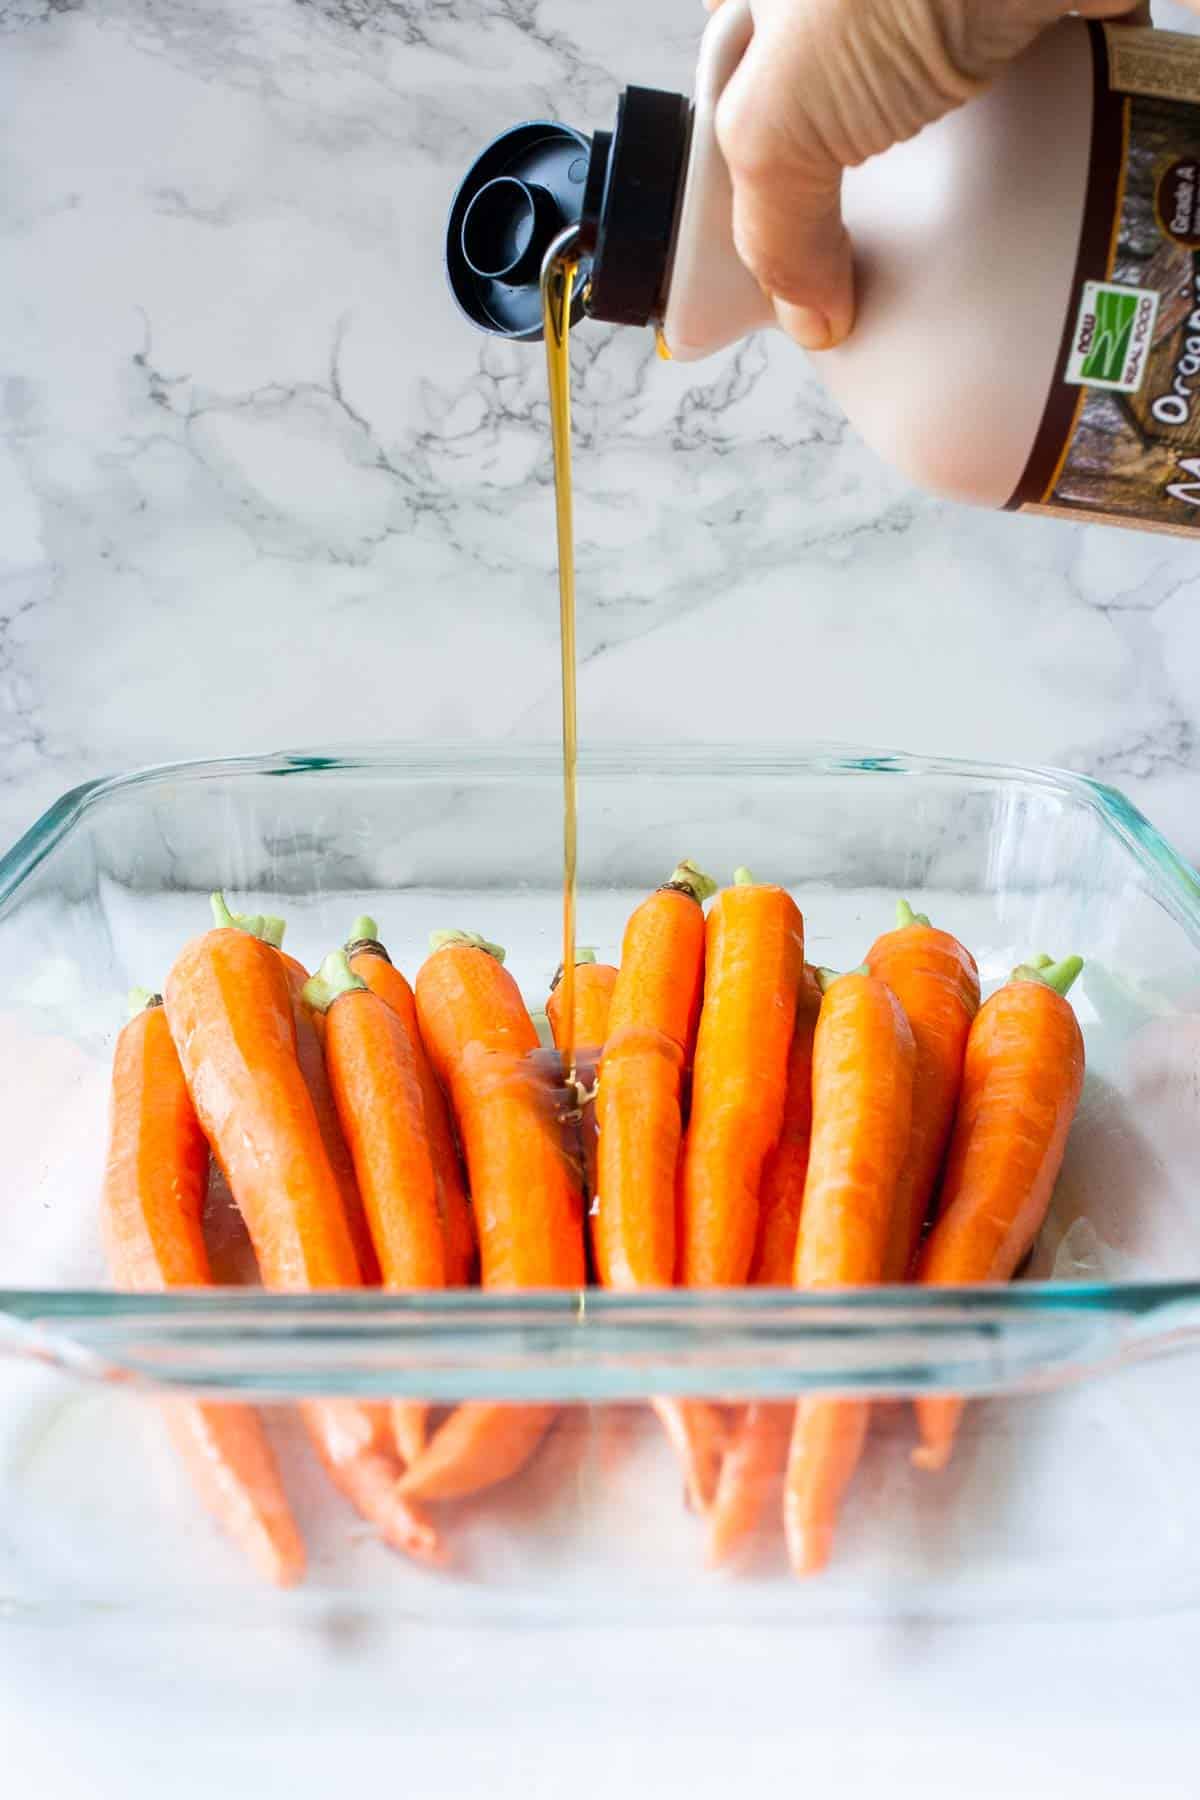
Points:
[[229, 1006], [754, 958], [154, 1186], [863, 1063], [371, 962], [937, 984], [1021, 1085]]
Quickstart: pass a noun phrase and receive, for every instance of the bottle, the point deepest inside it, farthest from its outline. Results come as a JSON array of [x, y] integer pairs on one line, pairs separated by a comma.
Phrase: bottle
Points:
[[1028, 329]]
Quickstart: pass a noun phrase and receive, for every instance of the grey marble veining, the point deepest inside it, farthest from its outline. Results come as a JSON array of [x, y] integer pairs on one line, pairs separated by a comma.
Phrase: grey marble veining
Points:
[[261, 486]]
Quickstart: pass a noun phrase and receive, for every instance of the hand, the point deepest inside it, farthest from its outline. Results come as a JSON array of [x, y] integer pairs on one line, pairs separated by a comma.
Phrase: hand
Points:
[[826, 84]]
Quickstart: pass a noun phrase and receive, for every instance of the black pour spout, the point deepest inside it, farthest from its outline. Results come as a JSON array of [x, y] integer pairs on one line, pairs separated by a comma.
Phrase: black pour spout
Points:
[[622, 188]]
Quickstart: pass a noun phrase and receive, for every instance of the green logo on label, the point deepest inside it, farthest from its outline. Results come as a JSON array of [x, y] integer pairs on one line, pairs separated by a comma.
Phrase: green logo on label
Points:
[[1113, 334]]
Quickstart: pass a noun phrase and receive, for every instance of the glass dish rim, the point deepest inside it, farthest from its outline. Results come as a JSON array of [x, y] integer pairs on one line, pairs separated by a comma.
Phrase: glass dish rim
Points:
[[85, 1328]]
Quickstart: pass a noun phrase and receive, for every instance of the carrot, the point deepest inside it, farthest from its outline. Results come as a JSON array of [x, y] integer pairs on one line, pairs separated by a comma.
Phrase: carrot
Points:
[[757, 1454], [155, 1181], [754, 959], [594, 983], [527, 1199], [311, 1057], [229, 1006], [937, 983], [651, 1035], [376, 1089], [653, 1015], [1021, 1086], [480, 1039], [786, 1166], [371, 962], [864, 1058]]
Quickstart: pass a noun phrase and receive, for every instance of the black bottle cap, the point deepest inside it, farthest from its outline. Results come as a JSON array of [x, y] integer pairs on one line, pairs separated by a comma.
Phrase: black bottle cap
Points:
[[631, 205], [520, 193]]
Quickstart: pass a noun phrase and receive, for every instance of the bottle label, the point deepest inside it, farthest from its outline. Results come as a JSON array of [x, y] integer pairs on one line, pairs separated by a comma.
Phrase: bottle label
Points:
[[1120, 437]]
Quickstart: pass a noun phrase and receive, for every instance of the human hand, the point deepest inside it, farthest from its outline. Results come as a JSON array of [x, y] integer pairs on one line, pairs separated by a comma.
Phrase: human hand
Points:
[[824, 85]]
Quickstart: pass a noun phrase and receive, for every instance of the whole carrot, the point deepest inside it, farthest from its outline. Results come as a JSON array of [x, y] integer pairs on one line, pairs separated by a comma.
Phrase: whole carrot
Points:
[[229, 1006], [376, 1089], [371, 962], [937, 983], [1021, 1086], [653, 1016], [311, 1057], [155, 1181], [754, 959], [527, 1199], [864, 1058]]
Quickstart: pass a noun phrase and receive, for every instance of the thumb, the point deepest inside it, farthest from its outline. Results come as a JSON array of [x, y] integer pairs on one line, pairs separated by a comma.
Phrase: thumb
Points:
[[787, 196]]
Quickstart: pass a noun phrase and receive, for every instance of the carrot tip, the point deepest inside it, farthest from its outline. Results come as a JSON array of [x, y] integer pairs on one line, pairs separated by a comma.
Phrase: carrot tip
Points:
[[1061, 976], [260, 925], [742, 877], [365, 930], [692, 880], [334, 978], [931, 1457], [809, 1547], [905, 916]]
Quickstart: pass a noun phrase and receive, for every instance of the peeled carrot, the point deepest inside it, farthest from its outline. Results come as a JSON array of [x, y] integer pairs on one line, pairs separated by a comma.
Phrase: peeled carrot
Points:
[[751, 1470], [594, 984], [371, 962], [229, 1006], [786, 1166], [481, 1041], [652, 1022], [527, 1199], [864, 1058], [937, 983], [754, 959], [376, 1089], [155, 1182], [1021, 1086]]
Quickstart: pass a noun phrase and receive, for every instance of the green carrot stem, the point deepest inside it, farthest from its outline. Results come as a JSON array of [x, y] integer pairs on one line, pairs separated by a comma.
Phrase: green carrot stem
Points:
[[906, 916], [334, 978], [260, 925], [743, 878], [1060, 976], [690, 880], [140, 1000], [827, 977], [439, 939]]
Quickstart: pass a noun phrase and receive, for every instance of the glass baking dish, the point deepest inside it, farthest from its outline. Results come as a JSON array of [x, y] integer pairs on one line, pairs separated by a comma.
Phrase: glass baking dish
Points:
[[1076, 1481]]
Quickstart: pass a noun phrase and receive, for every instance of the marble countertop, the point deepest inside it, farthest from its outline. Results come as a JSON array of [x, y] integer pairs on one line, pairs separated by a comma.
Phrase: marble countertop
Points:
[[260, 487]]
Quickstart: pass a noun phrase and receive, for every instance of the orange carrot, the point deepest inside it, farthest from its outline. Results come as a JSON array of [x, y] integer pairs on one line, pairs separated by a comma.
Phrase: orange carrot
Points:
[[652, 1022], [528, 1206], [786, 1166], [155, 1181], [371, 962], [751, 1469], [937, 984], [481, 1041], [377, 1091], [651, 1035], [1021, 1086], [754, 959], [229, 1006], [864, 1058]]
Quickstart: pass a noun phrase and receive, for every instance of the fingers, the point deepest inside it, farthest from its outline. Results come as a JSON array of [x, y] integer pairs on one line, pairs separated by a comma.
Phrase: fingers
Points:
[[787, 208]]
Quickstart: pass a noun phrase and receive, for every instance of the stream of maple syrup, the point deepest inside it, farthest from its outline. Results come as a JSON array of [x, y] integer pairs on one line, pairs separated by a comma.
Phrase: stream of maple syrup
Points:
[[558, 287]]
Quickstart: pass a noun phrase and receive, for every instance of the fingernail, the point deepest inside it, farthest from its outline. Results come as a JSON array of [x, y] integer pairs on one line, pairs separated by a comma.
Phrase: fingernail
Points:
[[806, 325]]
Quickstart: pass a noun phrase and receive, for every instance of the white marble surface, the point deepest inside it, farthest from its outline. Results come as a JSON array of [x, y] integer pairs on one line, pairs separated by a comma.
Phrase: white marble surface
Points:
[[261, 487]]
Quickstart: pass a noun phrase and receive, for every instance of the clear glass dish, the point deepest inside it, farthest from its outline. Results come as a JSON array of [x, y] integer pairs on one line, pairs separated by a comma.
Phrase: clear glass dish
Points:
[[1077, 1477]]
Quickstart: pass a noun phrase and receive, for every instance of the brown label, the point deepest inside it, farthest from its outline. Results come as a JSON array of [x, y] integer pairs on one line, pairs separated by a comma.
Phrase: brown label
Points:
[[1120, 440]]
